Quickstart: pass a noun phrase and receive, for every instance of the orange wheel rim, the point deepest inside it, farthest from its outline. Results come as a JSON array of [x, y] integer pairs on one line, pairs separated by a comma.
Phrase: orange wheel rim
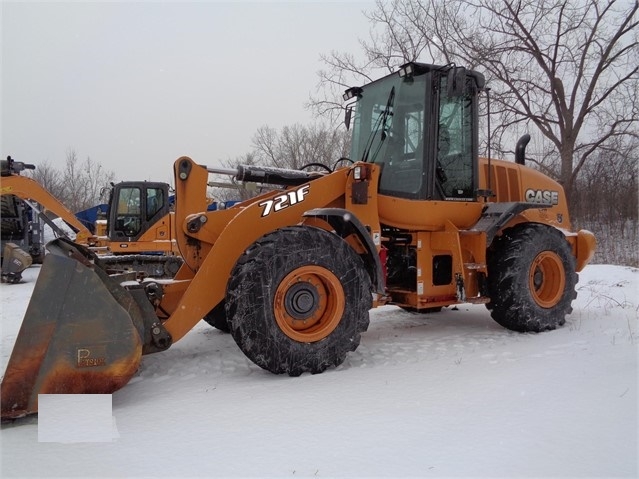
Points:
[[547, 279], [309, 304]]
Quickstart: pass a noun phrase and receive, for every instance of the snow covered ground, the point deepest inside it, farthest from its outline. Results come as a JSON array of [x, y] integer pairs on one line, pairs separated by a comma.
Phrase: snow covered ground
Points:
[[445, 394]]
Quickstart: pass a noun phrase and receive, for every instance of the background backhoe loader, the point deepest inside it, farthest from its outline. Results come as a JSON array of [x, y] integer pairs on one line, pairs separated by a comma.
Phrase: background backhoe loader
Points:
[[139, 228], [417, 220]]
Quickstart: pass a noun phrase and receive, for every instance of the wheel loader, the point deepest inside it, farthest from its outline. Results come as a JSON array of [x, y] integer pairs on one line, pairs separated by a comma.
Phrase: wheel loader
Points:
[[415, 218]]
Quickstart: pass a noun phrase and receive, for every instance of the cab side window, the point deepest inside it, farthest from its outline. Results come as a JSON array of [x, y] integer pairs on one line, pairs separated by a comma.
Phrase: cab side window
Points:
[[154, 202], [454, 152]]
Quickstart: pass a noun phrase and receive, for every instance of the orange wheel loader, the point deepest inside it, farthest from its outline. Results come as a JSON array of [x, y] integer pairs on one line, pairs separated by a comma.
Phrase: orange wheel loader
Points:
[[415, 219]]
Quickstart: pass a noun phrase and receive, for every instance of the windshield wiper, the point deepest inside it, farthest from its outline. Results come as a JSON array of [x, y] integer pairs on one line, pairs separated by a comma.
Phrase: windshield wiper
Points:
[[381, 124]]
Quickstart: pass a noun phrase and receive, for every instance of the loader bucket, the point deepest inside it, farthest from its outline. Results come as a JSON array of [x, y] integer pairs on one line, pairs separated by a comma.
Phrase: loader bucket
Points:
[[81, 334]]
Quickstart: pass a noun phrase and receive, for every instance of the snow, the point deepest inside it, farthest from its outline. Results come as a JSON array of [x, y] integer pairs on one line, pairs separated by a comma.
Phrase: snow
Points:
[[444, 394], [49, 234]]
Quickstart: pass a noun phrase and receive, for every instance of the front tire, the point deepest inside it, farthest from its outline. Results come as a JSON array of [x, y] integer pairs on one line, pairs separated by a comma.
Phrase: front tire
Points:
[[298, 300], [531, 278]]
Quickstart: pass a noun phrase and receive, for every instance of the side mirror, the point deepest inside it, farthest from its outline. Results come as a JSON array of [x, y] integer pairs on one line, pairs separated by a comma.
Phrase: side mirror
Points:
[[347, 116], [456, 81]]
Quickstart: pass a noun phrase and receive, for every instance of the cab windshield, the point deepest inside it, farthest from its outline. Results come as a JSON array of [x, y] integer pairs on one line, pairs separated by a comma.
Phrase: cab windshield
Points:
[[393, 123]]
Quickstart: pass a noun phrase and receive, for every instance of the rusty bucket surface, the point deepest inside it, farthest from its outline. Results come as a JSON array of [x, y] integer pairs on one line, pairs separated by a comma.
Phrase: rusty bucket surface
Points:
[[81, 334]]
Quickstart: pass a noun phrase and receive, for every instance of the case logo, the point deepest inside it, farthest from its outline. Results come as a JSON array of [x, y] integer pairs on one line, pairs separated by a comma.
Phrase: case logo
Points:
[[544, 197]]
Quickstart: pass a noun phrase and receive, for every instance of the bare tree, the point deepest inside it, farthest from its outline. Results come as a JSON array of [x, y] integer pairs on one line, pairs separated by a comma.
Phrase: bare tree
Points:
[[73, 183], [78, 185], [607, 195], [401, 31], [83, 182], [612, 182], [566, 68], [48, 177], [296, 146]]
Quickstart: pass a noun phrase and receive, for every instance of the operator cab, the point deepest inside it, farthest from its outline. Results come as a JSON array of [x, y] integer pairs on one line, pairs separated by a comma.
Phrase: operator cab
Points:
[[420, 126], [134, 207]]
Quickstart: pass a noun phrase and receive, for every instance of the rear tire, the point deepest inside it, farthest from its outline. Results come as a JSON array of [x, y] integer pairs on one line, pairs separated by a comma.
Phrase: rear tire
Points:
[[298, 300], [531, 278]]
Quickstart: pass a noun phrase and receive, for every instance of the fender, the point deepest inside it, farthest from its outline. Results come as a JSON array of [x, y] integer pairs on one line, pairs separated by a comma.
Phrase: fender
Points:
[[496, 215], [345, 223]]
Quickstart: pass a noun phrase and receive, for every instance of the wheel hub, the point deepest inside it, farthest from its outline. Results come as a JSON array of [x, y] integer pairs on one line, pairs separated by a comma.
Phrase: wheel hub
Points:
[[538, 278], [301, 301], [309, 303]]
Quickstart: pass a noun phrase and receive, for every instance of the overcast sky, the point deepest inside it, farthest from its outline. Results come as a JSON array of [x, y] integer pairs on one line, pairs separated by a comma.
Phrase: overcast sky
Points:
[[134, 86]]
